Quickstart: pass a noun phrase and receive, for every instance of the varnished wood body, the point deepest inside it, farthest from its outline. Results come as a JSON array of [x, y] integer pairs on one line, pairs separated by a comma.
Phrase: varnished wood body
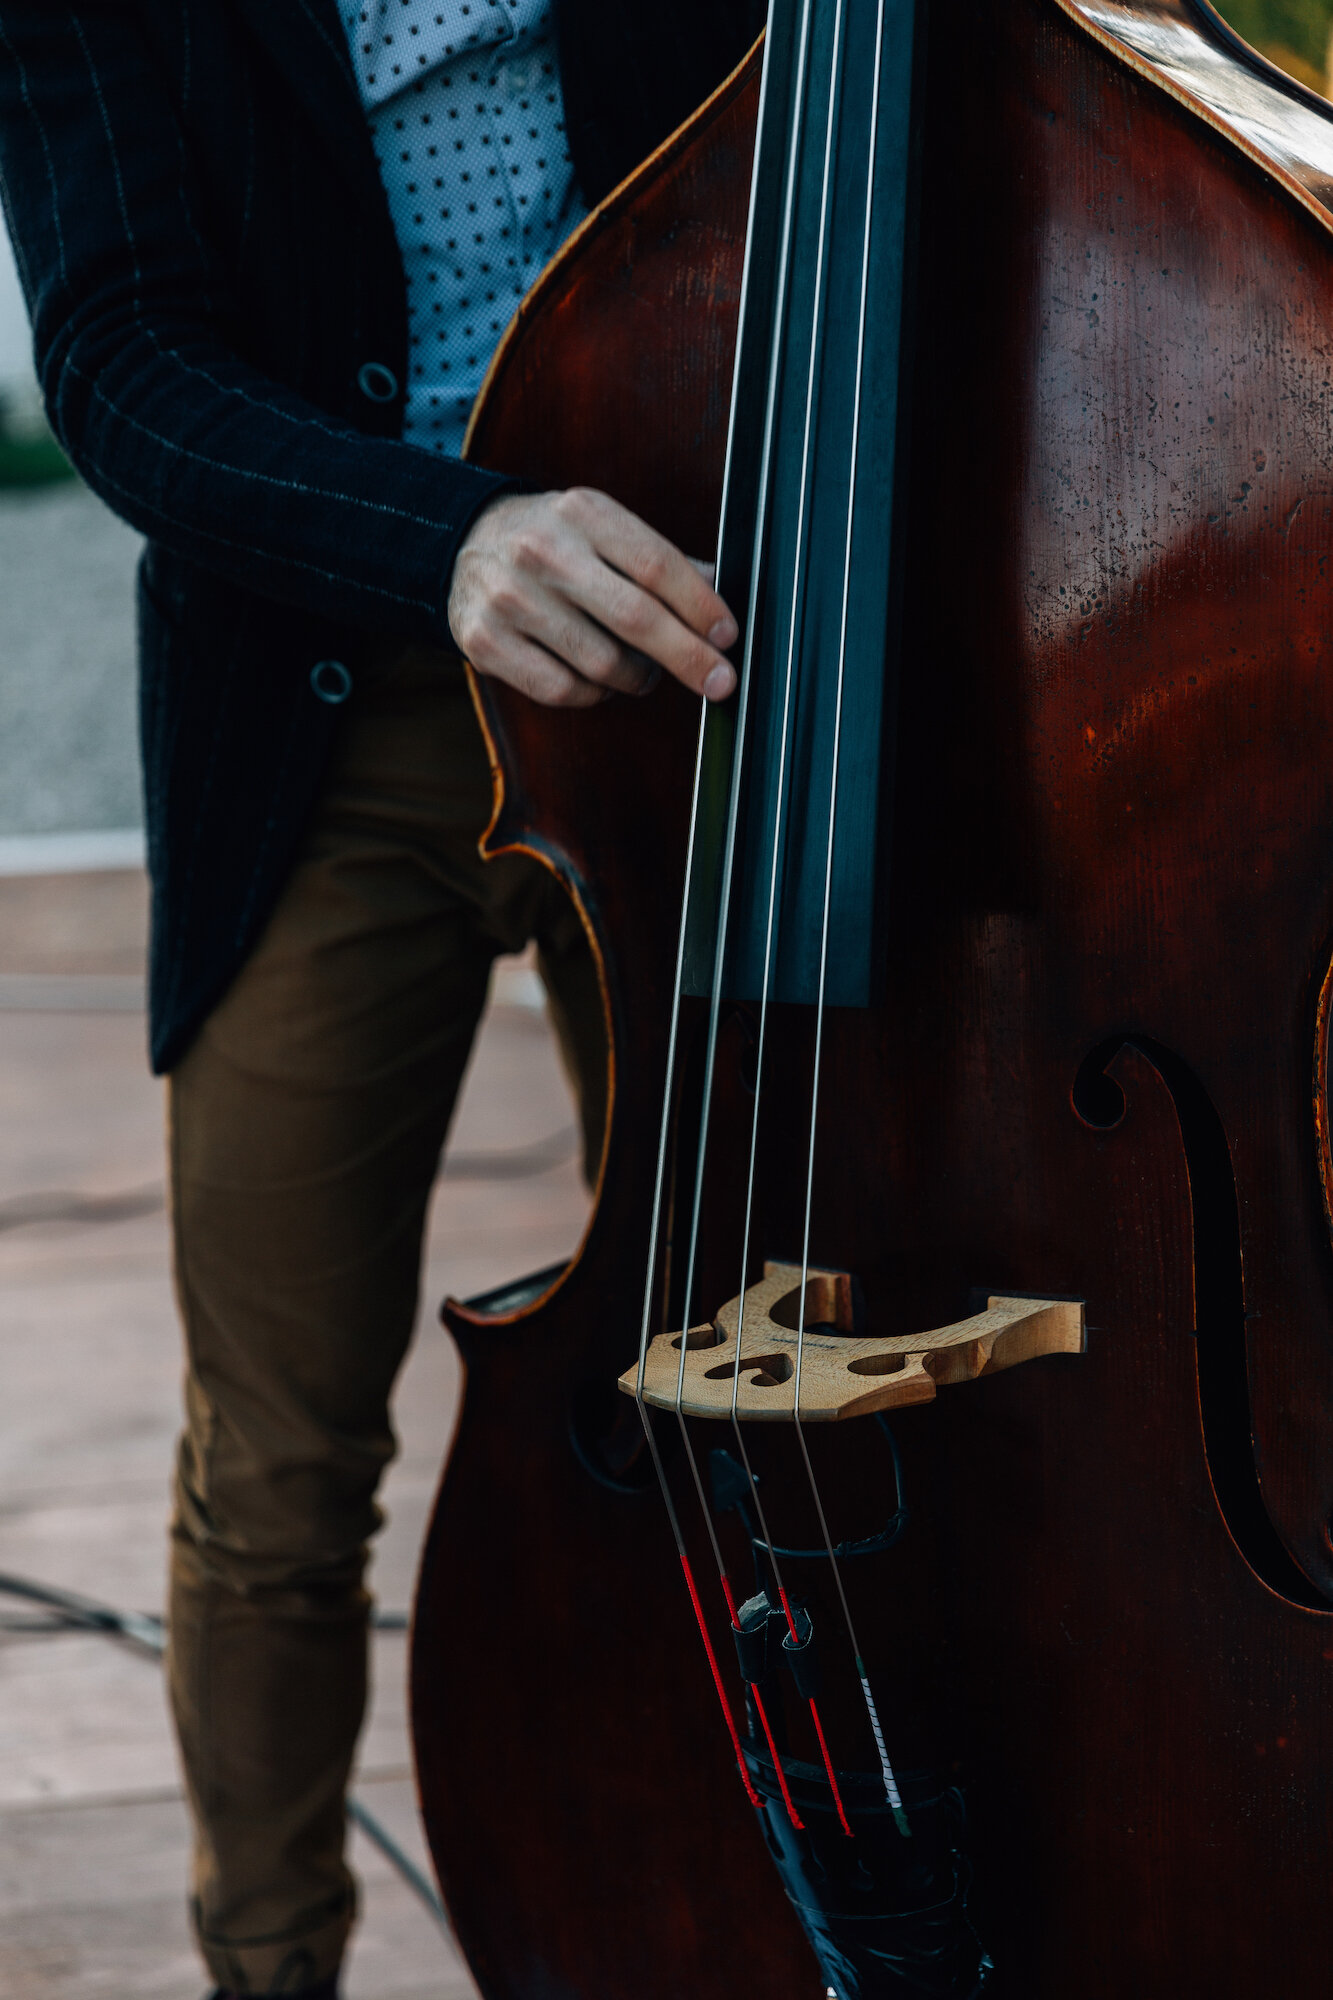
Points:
[[1111, 918]]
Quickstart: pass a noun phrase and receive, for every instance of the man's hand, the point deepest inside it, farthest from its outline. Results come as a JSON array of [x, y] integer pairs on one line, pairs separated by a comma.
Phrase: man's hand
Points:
[[569, 597]]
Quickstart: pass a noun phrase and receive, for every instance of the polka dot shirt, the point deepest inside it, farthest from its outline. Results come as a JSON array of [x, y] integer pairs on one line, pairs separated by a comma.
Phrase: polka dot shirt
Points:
[[467, 118]]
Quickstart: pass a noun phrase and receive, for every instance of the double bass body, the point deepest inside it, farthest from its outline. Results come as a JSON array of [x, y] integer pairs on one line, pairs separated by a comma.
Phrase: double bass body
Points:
[[1095, 1070]]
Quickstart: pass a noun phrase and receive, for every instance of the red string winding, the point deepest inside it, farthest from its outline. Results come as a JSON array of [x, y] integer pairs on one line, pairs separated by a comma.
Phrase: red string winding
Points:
[[828, 1766], [819, 1727], [787, 1801], [792, 1813], [732, 1731]]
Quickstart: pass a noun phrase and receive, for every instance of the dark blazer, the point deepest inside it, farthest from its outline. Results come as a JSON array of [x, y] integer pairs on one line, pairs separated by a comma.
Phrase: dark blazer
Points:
[[210, 266]]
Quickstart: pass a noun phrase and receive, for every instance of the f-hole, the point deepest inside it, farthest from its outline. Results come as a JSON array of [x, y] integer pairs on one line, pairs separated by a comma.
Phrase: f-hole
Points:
[[1219, 1302]]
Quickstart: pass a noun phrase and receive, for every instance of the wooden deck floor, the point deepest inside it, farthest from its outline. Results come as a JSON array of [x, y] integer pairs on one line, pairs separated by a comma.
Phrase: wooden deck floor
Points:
[[93, 1834]]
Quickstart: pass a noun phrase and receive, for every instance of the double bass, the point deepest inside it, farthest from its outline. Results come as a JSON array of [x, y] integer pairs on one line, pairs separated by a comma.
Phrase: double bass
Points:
[[960, 1268]]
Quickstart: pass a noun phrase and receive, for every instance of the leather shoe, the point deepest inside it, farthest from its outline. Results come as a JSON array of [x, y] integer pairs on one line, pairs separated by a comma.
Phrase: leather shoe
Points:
[[326, 1990]]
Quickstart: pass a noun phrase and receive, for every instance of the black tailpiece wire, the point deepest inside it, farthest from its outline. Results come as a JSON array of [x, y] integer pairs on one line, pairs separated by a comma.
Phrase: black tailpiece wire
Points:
[[731, 1488]]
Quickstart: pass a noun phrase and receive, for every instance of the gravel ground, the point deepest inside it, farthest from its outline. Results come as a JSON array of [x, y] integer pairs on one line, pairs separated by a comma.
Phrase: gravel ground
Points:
[[68, 754]]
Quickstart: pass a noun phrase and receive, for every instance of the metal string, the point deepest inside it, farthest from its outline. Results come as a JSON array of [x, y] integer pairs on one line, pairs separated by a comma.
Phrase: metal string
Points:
[[772, 389], [765, 483], [796, 610], [891, 1790], [793, 635], [751, 624], [729, 860], [678, 984], [794, 627], [673, 1040]]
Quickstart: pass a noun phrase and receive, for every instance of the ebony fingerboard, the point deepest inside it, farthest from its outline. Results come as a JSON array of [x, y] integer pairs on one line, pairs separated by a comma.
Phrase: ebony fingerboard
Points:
[[818, 428]]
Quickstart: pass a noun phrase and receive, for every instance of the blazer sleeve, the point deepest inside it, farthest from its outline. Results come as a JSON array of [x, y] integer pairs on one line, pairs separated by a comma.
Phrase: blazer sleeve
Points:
[[159, 413]]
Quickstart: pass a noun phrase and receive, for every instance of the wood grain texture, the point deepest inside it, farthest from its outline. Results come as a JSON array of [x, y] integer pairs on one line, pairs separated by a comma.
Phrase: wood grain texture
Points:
[[1089, 1076], [842, 1376]]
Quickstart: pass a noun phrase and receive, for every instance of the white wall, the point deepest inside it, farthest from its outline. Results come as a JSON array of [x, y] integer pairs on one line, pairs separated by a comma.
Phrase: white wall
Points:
[[15, 356], [67, 732]]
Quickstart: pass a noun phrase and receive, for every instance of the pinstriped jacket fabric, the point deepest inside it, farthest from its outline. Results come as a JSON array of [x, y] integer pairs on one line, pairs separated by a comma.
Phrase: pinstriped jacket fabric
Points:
[[209, 263]]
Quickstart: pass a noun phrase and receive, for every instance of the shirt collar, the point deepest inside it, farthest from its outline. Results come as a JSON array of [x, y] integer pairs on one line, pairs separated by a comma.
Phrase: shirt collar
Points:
[[429, 33]]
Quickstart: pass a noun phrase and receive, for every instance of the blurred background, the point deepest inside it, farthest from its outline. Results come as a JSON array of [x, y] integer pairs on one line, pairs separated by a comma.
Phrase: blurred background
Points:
[[1294, 34], [92, 1829], [67, 750]]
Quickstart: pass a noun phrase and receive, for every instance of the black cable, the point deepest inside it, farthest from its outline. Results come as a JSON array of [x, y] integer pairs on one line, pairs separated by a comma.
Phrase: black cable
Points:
[[86, 1614], [869, 1545], [396, 1858], [82, 1614], [730, 1486], [73, 1612]]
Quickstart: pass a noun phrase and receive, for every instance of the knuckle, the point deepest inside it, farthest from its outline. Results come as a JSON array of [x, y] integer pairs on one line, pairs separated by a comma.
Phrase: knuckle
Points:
[[463, 619], [603, 657], [637, 621], [479, 642], [532, 550], [535, 683], [650, 569], [571, 506], [571, 693]]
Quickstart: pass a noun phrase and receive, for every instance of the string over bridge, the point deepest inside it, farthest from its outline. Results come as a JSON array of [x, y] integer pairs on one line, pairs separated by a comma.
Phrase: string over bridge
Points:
[[843, 1374]]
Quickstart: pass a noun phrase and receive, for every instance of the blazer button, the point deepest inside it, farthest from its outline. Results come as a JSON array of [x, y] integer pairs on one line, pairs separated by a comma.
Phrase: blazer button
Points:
[[331, 681], [376, 382]]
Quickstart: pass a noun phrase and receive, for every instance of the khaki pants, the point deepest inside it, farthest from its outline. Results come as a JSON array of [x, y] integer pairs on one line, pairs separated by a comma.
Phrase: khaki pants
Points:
[[306, 1124]]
